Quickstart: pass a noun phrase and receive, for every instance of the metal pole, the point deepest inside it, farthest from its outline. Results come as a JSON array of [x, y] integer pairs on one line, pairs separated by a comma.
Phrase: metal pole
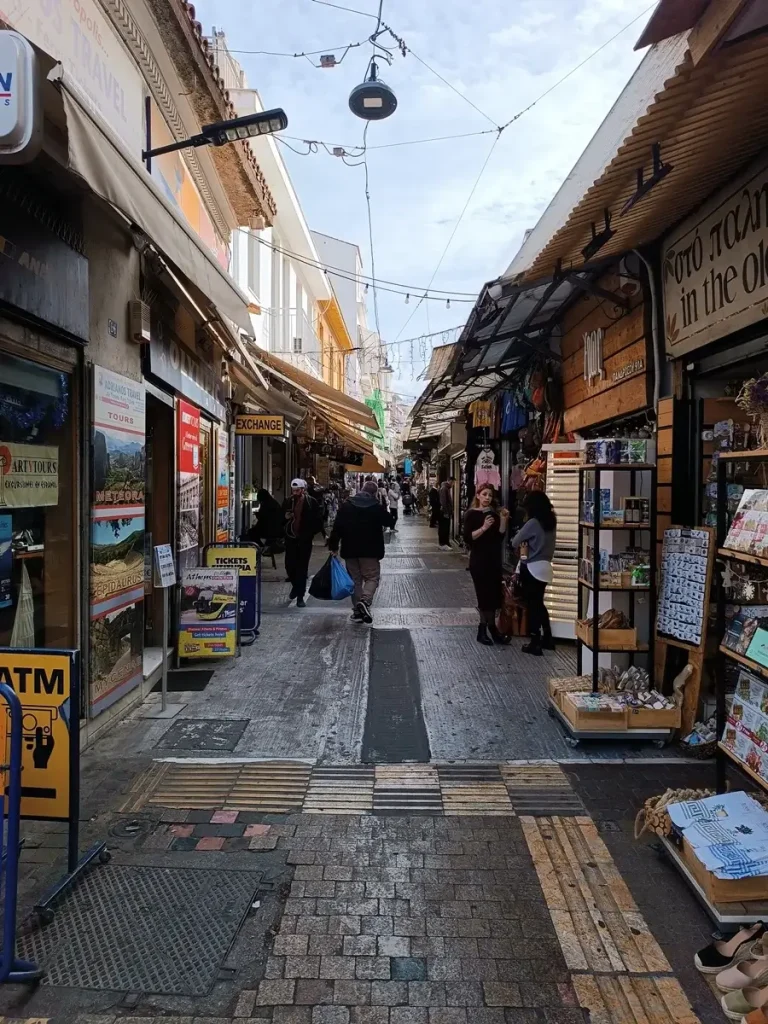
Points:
[[164, 684], [148, 128]]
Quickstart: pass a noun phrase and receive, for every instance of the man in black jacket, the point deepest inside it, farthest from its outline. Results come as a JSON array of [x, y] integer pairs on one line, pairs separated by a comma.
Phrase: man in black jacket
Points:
[[303, 520], [359, 526]]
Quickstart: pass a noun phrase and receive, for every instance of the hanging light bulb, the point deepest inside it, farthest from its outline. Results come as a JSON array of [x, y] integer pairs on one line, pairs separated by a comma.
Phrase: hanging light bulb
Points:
[[366, 288], [407, 299], [447, 303]]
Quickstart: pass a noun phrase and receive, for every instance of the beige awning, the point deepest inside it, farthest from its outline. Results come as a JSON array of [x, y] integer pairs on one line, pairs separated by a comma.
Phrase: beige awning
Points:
[[336, 403], [98, 156], [268, 400]]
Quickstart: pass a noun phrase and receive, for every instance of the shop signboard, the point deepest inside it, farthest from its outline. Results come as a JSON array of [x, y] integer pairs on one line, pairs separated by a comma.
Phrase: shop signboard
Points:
[[80, 36], [181, 369], [208, 616], [48, 685], [188, 456], [118, 472], [243, 557], [29, 475], [223, 523], [21, 102], [715, 266], [255, 424]]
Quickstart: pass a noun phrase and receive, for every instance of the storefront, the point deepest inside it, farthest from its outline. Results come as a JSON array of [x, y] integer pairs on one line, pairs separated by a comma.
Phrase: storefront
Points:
[[44, 321]]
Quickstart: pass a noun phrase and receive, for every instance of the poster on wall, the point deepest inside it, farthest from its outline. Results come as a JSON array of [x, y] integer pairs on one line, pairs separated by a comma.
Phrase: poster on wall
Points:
[[188, 449], [118, 474], [222, 486], [29, 475], [208, 613]]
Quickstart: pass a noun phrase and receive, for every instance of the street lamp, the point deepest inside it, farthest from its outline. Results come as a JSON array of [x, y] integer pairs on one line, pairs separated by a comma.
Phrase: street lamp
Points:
[[219, 134], [373, 100]]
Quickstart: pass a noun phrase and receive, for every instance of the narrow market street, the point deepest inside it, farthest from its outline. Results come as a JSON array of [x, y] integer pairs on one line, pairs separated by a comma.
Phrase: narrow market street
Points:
[[356, 825]]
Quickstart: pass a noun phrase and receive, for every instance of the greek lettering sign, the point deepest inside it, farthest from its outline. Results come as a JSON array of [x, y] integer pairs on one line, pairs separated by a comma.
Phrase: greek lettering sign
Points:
[[48, 686], [715, 266], [29, 475], [268, 426]]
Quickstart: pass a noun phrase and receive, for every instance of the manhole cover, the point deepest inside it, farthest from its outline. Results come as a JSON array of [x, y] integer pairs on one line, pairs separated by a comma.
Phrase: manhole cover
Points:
[[143, 929], [130, 828], [203, 734]]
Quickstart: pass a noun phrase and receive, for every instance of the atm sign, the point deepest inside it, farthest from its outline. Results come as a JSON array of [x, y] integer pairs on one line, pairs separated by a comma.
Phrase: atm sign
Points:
[[270, 426]]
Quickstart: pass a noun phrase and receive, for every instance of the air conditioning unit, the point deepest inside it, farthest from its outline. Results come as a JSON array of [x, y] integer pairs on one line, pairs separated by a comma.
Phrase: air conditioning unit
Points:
[[138, 321]]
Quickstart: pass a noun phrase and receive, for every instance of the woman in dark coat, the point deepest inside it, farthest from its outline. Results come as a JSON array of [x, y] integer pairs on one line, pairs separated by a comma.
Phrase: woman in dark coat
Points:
[[434, 506], [484, 529], [269, 523]]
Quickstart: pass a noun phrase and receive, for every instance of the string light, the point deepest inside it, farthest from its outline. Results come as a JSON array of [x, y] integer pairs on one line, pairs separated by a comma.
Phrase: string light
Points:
[[408, 299]]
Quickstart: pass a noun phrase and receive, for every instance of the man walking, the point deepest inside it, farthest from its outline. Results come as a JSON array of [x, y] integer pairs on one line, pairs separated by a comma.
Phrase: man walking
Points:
[[303, 519], [359, 528], [394, 501], [446, 511]]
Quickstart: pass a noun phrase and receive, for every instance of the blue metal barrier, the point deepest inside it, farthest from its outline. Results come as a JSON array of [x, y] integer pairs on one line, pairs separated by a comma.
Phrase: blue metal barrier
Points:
[[11, 968]]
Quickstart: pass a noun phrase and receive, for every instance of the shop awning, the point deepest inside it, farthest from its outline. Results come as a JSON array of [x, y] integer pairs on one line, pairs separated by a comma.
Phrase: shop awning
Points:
[[356, 442], [99, 158], [269, 399], [334, 402], [370, 465]]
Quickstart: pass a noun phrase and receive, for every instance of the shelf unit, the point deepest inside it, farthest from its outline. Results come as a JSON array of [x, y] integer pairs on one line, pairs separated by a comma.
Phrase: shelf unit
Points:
[[562, 487], [636, 531]]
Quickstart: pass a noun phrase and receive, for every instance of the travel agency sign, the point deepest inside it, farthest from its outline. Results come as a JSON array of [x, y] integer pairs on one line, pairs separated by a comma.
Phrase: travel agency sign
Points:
[[21, 120]]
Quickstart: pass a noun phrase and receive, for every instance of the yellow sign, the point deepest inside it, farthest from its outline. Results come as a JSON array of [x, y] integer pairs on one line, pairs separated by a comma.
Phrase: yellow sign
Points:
[[29, 475], [243, 559], [46, 685], [208, 613], [266, 425]]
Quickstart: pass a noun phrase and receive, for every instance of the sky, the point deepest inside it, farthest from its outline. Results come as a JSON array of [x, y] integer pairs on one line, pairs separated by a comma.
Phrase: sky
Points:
[[502, 56]]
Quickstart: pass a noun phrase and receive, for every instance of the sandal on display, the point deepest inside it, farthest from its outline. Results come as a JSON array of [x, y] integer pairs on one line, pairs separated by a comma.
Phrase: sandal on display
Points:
[[751, 973], [756, 1017], [717, 956], [740, 1003]]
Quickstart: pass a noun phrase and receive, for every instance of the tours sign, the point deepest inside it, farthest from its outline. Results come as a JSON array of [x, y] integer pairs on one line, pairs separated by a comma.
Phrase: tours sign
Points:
[[715, 266], [265, 425], [47, 684]]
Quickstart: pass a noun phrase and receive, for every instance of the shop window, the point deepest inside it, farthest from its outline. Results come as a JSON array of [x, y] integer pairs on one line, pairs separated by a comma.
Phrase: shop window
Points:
[[38, 489]]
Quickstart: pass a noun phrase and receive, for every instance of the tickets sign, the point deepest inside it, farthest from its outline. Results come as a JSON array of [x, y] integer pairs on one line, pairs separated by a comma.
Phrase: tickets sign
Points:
[[47, 683], [263, 425], [245, 559]]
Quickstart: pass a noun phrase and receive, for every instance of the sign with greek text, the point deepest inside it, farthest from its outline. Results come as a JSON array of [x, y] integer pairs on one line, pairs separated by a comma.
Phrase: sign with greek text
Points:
[[715, 266], [29, 475]]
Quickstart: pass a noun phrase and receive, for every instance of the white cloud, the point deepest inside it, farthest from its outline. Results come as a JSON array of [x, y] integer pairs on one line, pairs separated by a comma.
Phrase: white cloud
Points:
[[503, 56]]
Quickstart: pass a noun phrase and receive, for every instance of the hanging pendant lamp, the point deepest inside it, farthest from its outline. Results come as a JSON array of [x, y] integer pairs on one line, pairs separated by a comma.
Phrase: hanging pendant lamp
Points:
[[373, 100]]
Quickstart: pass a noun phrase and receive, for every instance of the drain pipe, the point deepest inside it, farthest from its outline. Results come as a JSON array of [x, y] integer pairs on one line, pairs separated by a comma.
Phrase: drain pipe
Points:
[[657, 354]]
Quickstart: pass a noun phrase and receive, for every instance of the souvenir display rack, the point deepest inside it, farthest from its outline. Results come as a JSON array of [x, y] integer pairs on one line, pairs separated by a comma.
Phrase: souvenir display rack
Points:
[[590, 637]]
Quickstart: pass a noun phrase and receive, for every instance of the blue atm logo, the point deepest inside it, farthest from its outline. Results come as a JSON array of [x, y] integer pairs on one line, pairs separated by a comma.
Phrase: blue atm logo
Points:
[[6, 80]]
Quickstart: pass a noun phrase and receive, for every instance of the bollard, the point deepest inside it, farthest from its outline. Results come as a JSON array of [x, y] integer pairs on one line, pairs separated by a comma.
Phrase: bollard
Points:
[[12, 969]]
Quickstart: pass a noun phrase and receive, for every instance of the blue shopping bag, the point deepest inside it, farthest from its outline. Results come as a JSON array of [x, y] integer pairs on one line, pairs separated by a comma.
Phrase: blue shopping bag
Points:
[[341, 582]]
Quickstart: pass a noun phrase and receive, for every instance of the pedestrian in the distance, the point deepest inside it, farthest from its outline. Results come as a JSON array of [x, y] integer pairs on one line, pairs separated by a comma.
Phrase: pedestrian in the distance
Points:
[[315, 491], [303, 519], [484, 529], [539, 534], [434, 506], [394, 504], [359, 531], [446, 511]]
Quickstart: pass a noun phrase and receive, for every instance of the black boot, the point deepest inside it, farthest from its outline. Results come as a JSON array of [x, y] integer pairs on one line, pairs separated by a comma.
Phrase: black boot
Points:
[[498, 638], [482, 635], [534, 647], [548, 643]]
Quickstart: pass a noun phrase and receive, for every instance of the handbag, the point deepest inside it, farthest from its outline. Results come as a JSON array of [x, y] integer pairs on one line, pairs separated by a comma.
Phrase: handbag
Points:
[[342, 584]]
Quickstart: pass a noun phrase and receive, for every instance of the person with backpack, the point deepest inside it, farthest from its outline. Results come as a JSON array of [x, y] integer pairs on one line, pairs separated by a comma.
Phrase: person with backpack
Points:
[[303, 519]]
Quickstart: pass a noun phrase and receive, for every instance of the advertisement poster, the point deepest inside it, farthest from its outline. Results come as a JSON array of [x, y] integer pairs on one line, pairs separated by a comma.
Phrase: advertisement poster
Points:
[[222, 486], [47, 683], [6, 561], [188, 455], [243, 558], [118, 474], [208, 613], [29, 475]]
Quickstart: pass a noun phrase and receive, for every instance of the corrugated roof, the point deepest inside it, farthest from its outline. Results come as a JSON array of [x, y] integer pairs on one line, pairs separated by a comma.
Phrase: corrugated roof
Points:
[[439, 361], [709, 120]]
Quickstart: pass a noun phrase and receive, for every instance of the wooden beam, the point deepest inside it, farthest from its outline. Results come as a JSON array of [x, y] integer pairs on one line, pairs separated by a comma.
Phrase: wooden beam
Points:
[[712, 26]]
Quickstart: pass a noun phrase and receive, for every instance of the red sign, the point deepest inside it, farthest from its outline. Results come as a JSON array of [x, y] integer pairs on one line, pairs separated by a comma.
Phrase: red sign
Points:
[[188, 438]]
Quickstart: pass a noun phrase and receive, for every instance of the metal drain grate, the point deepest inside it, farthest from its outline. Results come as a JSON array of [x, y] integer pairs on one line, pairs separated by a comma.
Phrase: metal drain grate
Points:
[[275, 787], [474, 790], [541, 791], [407, 789], [340, 791], [144, 929]]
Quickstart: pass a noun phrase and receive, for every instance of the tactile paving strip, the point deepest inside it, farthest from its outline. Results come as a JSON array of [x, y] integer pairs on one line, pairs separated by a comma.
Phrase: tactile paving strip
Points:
[[597, 921], [276, 787], [346, 790], [631, 1000], [407, 789], [143, 929], [541, 790], [474, 790]]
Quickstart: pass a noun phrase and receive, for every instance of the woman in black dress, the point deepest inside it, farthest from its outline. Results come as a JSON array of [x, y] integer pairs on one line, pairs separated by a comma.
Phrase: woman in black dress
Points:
[[484, 529]]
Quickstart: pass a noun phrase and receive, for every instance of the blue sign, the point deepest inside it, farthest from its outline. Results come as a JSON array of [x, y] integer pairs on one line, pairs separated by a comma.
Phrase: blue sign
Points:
[[247, 559]]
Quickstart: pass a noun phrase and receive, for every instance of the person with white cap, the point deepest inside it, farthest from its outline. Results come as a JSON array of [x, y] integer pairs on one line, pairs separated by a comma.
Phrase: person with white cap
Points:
[[303, 519]]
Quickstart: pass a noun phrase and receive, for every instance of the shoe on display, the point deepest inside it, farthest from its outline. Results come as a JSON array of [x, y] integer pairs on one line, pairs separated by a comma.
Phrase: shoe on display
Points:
[[715, 957], [364, 612], [744, 1001], [747, 974]]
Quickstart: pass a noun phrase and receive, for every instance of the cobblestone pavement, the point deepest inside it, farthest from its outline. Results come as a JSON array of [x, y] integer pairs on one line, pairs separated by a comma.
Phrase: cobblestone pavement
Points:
[[278, 855]]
